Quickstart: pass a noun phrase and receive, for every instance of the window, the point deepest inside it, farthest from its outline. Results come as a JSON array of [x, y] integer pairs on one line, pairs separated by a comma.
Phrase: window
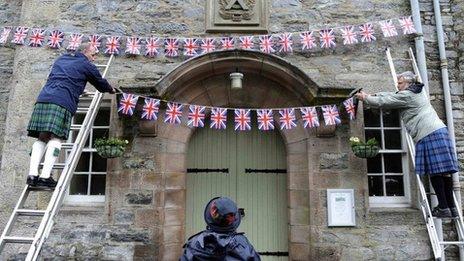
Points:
[[89, 180], [387, 173]]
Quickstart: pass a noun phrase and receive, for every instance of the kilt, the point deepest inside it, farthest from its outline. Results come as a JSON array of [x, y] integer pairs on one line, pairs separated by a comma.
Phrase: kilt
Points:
[[49, 117], [435, 154]]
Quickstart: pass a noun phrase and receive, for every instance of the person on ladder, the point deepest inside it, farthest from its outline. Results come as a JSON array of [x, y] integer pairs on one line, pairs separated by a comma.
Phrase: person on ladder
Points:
[[55, 106], [435, 154]]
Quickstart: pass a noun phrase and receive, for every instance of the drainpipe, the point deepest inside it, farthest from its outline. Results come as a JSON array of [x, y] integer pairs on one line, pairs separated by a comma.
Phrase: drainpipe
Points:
[[419, 41]]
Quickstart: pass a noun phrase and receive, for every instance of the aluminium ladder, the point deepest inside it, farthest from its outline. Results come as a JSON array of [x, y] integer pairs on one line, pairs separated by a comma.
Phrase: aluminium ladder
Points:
[[438, 245], [64, 180]]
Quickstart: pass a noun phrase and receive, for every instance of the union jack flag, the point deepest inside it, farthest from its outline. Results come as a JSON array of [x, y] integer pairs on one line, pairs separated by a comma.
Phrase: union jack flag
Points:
[[242, 119], [75, 41], [37, 38], [171, 47], [265, 120], [285, 42], [349, 35], [218, 118], [133, 45], [265, 44], [246, 42], [4, 35], [128, 103], [308, 41], [309, 115], [367, 33], [152, 46], [150, 109], [388, 28], [287, 119], [331, 116], [173, 113], [327, 38], [350, 108], [190, 47], [227, 43], [196, 116], [95, 41], [20, 35], [208, 45], [55, 39], [407, 25], [112, 45]]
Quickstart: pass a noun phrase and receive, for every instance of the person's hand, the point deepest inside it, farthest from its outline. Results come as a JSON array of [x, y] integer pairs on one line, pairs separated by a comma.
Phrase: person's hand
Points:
[[361, 95], [113, 90]]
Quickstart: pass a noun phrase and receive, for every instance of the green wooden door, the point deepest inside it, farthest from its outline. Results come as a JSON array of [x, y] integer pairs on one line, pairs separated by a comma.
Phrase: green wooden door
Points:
[[250, 168]]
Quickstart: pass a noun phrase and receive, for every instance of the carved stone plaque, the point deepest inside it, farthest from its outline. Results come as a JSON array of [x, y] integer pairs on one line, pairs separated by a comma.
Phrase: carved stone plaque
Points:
[[236, 16]]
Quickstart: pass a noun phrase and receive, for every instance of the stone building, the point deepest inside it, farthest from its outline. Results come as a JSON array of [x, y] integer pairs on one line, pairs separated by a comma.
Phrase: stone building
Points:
[[144, 205]]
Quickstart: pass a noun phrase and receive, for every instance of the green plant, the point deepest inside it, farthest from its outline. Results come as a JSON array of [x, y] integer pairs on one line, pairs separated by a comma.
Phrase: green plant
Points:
[[367, 149], [110, 147], [110, 142], [355, 141]]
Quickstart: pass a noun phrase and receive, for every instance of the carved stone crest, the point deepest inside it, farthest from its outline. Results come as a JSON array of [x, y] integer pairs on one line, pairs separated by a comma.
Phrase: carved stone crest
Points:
[[236, 10]]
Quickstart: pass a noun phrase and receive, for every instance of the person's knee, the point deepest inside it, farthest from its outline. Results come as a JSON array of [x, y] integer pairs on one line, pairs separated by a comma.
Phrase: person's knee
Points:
[[44, 137]]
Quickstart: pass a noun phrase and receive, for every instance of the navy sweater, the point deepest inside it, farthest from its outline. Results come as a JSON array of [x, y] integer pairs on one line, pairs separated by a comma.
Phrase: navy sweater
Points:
[[66, 82]]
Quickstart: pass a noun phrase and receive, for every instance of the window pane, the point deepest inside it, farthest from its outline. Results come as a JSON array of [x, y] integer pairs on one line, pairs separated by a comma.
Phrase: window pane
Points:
[[79, 185], [375, 186], [391, 118], [83, 164], [103, 117], [394, 185], [97, 187], [78, 118], [98, 163], [373, 134], [393, 163], [99, 133], [374, 165], [372, 118], [392, 139]]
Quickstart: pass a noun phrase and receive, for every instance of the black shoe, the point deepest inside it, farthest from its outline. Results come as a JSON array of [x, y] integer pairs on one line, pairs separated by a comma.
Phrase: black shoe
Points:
[[439, 213], [32, 180], [49, 183], [454, 212]]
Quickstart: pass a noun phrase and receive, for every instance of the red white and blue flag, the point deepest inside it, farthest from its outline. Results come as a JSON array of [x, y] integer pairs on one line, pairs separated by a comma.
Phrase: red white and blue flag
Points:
[[367, 33], [349, 35], [196, 116], [218, 118], [112, 45], [388, 28], [133, 45], [95, 41], [128, 103], [150, 109], [75, 41], [242, 119], [37, 37], [265, 120], [152, 46], [307, 40], [246, 42], [265, 44], [309, 116], [227, 43], [327, 38], [331, 115], [173, 113], [190, 47], [4, 35], [285, 43], [407, 25], [55, 39], [350, 108], [171, 47], [287, 119], [208, 45], [20, 35]]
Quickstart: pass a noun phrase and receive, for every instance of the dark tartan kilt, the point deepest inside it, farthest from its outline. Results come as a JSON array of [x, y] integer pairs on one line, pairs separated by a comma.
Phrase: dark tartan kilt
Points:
[[435, 154], [49, 117]]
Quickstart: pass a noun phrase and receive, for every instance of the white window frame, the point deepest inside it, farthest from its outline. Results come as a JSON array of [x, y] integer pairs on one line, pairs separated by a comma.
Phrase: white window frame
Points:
[[392, 201]]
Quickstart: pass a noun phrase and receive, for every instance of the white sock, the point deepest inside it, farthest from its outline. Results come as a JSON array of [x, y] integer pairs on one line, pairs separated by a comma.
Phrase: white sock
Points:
[[38, 150], [53, 150]]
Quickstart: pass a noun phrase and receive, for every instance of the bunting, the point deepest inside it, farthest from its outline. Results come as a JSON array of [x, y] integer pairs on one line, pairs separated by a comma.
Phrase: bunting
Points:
[[287, 119], [331, 115], [218, 118], [265, 120], [112, 45], [242, 119], [55, 39], [75, 41], [20, 35], [4, 35], [37, 37], [128, 103], [133, 45], [173, 113], [350, 108], [196, 116], [150, 109], [310, 119]]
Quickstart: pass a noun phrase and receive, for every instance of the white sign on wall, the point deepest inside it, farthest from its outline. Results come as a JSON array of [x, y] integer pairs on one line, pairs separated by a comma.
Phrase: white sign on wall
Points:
[[340, 207]]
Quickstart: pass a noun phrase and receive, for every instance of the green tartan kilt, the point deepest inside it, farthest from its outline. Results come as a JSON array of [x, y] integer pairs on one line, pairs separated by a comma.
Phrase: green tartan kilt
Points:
[[49, 117]]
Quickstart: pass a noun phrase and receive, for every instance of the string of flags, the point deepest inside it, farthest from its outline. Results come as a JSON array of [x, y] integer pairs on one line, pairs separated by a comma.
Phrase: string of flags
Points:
[[197, 114], [189, 46]]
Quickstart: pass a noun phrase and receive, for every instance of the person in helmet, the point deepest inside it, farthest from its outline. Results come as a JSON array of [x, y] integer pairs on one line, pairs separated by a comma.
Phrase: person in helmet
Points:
[[220, 240]]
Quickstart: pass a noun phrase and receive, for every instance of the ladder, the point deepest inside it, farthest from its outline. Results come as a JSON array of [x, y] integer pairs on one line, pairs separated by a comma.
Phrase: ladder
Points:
[[64, 180], [438, 245]]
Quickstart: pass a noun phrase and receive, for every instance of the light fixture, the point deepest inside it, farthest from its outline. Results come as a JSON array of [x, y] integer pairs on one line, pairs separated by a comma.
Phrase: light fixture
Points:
[[236, 80]]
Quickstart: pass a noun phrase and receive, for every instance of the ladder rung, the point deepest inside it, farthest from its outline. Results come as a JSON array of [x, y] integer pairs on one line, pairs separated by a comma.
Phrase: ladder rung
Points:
[[451, 242], [19, 240], [30, 212], [76, 126], [82, 110], [56, 166], [67, 145], [101, 65]]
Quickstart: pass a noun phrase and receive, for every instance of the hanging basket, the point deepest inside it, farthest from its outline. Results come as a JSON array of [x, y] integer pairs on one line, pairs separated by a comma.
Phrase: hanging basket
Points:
[[365, 151], [110, 151]]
